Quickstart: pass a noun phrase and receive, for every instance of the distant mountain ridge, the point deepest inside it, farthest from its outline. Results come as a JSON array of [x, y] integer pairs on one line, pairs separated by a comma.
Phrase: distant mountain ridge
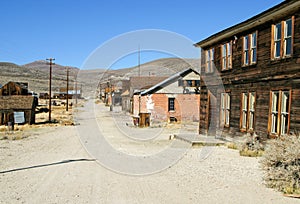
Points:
[[37, 73]]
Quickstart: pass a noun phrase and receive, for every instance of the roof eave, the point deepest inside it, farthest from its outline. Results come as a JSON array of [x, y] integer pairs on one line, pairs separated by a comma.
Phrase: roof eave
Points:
[[250, 23]]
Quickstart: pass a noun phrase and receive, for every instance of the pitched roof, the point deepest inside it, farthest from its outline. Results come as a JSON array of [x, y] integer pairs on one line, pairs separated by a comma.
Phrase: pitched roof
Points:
[[16, 102], [168, 81], [125, 93], [144, 81], [268, 15]]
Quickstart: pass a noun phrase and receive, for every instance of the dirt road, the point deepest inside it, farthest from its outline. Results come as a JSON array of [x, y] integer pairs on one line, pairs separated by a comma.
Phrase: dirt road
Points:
[[52, 166]]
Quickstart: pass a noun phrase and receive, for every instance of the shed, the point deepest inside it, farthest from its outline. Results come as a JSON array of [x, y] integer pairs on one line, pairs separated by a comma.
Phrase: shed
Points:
[[10, 106]]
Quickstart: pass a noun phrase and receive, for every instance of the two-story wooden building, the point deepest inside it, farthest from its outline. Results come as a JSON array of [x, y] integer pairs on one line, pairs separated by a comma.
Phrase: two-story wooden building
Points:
[[250, 76]]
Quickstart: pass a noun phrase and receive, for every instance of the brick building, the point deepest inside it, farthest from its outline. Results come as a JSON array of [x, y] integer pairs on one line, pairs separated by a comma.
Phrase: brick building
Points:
[[136, 85], [173, 100]]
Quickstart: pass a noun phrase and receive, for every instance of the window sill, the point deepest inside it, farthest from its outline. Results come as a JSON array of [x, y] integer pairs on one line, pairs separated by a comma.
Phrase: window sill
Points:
[[253, 65], [273, 136], [209, 73], [243, 130], [281, 59], [226, 70]]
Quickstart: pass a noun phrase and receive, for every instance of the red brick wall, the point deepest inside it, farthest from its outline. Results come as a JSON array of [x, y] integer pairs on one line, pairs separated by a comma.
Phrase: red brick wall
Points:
[[186, 107]]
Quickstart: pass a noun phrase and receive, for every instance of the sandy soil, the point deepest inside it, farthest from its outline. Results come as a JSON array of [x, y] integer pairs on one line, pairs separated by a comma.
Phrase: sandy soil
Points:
[[52, 166]]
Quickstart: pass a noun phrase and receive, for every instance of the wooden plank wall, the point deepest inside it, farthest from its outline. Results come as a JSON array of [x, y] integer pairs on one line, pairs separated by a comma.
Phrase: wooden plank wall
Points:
[[265, 75]]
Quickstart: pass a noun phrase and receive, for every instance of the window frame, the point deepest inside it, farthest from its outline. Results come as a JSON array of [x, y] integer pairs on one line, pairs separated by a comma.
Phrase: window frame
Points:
[[246, 111], [282, 40], [225, 109], [248, 53], [170, 104], [209, 60], [226, 56], [278, 113]]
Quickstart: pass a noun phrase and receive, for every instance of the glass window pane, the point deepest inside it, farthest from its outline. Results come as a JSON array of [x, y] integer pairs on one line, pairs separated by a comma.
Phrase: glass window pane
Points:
[[244, 120], [285, 102], [275, 97], [253, 55], [227, 117], [246, 42], [288, 46], [208, 55], [228, 101], [224, 63], [246, 58], [171, 104], [278, 31], [288, 28], [277, 49], [283, 124], [253, 40], [224, 50], [251, 101], [274, 124], [251, 120], [245, 97]]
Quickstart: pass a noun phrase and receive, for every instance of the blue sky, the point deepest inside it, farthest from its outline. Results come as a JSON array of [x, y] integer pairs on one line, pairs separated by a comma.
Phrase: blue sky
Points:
[[70, 30]]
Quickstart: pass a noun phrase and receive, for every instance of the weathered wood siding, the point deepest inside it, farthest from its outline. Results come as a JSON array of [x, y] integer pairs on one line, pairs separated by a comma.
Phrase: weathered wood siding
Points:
[[262, 77]]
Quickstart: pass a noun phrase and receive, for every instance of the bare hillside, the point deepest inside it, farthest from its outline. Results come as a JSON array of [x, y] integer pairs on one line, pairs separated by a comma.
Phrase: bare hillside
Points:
[[37, 73]]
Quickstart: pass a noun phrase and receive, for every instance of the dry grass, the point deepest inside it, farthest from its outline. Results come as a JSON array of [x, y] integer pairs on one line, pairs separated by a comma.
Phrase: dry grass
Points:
[[231, 145], [252, 147], [13, 136], [251, 153], [59, 116], [281, 163]]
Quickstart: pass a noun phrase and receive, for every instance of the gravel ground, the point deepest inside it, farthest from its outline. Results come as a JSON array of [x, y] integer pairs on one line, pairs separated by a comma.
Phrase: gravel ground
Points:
[[52, 166]]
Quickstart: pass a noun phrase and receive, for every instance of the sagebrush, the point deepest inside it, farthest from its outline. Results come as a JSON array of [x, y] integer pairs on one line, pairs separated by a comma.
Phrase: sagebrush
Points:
[[252, 147], [281, 163]]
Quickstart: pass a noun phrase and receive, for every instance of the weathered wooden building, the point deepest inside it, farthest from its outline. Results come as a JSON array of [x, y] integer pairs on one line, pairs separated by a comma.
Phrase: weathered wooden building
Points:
[[250, 76], [14, 88], [16, 105], [176, 99]]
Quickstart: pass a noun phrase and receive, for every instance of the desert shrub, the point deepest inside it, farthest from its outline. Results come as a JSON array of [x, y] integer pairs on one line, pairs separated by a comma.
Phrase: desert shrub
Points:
[[252, 147], [281, 163]]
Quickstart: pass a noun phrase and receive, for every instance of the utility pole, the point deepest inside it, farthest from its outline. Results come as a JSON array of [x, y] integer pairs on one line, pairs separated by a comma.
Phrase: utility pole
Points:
[[139, 61], [67, 107], [76, 93], [50, 78]]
